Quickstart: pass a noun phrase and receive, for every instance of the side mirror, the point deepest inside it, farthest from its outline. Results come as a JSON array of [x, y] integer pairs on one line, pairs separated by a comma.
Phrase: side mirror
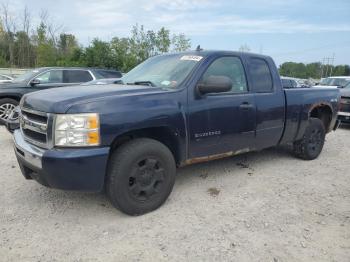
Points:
[[215, 84], [35, 82]]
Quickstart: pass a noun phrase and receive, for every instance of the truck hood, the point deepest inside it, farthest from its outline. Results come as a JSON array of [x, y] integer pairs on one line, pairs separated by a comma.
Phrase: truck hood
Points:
[[59, 100]]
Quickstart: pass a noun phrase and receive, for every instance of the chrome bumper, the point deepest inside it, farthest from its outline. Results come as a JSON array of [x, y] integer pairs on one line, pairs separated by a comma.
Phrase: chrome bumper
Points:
[[29, 153], [344, 114]]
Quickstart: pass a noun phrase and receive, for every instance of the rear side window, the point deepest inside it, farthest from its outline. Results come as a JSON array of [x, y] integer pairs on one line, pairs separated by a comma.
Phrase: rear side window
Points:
[[77, 76], [261, 76], [109, 74]]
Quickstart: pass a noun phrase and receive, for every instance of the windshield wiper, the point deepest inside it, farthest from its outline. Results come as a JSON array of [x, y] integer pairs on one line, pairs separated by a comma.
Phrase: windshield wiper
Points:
[[142, 83]]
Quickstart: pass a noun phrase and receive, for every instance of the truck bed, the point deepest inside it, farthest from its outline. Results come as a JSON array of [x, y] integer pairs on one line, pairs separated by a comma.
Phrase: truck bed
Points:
[[297, 113]]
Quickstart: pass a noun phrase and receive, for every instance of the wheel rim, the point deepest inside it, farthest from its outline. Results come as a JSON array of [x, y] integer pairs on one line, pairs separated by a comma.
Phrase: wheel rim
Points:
[[315, 141], [6, 110], [146, 179]]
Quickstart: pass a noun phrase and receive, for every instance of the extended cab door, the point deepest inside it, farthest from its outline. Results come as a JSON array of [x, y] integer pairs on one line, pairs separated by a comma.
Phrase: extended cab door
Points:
[[221, 122], [266, 85]]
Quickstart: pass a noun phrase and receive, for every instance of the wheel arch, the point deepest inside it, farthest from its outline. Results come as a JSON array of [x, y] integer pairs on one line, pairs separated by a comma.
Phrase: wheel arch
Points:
[[164, 134], [324, 112]]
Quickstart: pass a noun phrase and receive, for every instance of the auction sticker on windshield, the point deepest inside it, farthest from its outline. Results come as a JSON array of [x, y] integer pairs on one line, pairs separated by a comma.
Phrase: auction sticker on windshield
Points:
[[192, 58]]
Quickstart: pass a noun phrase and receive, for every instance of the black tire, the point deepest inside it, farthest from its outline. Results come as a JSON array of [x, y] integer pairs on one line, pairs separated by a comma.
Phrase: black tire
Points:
[[3, 102], [141, 176], [311, 145]]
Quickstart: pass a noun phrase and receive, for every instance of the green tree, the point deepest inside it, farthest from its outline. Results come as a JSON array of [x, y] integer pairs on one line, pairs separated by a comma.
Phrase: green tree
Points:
[[23, 50], [47, 45], [45, 51], [70, 53], [66, 44], [313, 70], [99, 54], [3, 47], [124, 59], [293, 70], [181, 43], [163, 40]]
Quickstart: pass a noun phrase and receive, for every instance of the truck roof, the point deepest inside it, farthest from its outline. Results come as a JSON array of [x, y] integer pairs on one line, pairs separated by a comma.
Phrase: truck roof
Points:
[[207, 53]]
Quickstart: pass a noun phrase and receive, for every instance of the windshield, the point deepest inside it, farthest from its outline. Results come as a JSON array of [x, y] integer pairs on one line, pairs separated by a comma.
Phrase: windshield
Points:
[[335, 81], [26, 76], [167, 71]]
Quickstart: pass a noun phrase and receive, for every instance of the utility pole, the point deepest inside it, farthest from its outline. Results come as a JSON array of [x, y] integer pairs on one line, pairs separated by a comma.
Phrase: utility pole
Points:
[[322, 67], [327, 66], [332, 64]]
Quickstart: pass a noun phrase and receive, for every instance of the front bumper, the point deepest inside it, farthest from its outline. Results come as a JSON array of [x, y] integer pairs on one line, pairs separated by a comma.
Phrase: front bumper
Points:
[[67, 169]]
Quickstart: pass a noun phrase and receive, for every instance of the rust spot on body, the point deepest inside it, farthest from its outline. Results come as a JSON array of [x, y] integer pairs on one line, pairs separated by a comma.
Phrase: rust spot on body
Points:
[[214, 157]]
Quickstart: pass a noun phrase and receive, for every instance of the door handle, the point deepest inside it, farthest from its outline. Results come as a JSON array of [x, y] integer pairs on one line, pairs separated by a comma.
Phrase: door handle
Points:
[[246, 106]]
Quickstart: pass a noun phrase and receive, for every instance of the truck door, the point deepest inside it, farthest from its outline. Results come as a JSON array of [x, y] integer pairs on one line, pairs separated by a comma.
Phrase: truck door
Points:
[[264, 82], [221, 122]]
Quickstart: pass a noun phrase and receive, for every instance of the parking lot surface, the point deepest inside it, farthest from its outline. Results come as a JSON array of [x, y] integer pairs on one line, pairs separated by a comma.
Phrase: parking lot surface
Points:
[[265, 206]]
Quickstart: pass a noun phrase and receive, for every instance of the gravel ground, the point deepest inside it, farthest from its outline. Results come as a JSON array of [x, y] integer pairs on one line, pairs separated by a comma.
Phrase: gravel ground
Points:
[[265, 206]]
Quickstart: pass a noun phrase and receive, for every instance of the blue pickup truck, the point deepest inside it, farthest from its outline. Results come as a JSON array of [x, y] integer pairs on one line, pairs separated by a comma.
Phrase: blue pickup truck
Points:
[[172, 110]]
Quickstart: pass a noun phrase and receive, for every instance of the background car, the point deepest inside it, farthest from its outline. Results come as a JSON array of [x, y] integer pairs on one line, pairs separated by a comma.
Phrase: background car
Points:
[[43, 78], [338, 81], [5, 79], [104, 81], [289, 82], [344, 111]]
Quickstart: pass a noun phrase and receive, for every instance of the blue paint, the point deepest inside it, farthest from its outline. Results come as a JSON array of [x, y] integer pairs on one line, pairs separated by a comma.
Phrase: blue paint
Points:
[[203, 125]]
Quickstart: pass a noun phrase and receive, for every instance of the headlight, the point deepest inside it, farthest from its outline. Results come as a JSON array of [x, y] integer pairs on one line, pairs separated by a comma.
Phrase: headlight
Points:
[[77, 130]]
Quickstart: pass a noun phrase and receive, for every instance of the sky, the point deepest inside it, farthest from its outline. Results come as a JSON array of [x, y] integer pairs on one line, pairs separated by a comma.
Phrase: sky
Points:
[[288, 30]]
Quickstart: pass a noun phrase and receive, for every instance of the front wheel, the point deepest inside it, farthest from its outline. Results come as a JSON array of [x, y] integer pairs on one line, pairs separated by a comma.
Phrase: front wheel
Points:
[[7, 105], [141, 176], [311, 145]]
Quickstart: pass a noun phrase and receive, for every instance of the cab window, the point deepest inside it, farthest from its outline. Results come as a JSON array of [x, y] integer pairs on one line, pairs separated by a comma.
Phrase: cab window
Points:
[[261, 76]]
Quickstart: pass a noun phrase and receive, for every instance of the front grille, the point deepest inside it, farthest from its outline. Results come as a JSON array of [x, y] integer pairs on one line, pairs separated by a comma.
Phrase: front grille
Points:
[[34, 127]]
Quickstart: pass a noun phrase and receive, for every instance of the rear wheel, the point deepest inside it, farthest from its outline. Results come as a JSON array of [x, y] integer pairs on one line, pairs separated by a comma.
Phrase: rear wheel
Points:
[[141, 176], [311, 145], [7, 105]]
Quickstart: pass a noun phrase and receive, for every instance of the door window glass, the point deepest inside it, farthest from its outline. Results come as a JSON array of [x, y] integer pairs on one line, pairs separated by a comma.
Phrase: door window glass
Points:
[[52, 76], [230, 67]]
